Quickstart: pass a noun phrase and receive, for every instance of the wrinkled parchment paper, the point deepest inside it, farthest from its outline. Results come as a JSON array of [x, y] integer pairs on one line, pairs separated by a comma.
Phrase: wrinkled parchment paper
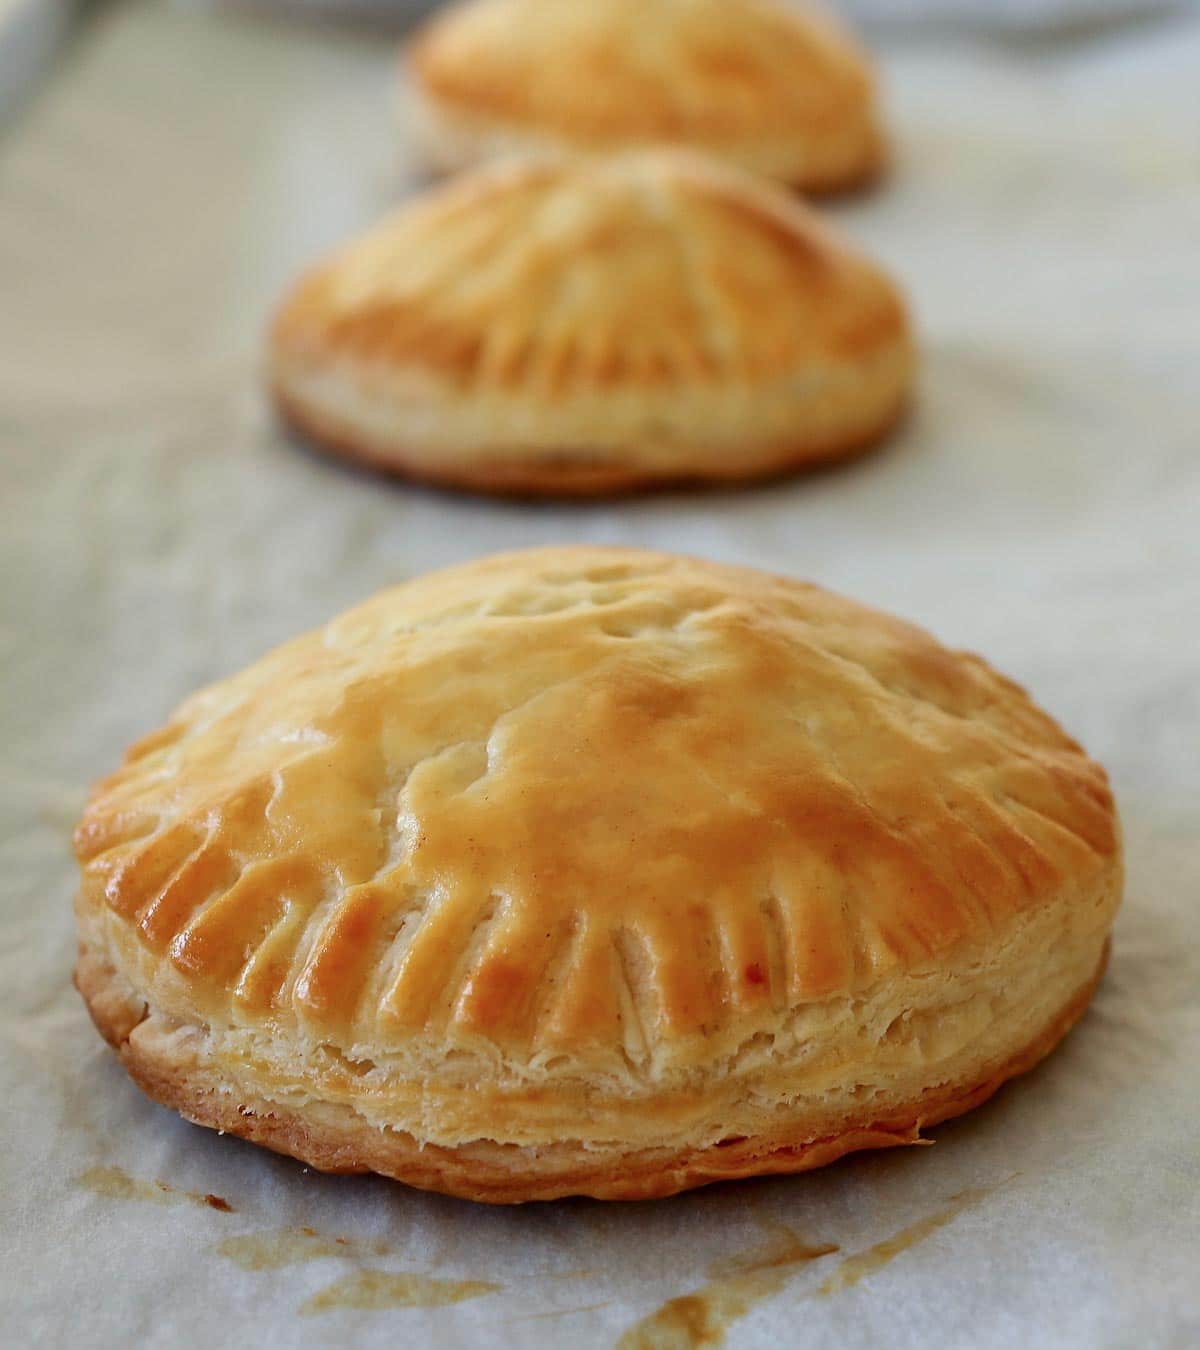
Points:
[[157, 531]]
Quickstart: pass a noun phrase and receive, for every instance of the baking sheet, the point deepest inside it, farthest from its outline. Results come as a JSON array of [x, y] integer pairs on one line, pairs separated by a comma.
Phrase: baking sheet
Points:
[[157, 531]]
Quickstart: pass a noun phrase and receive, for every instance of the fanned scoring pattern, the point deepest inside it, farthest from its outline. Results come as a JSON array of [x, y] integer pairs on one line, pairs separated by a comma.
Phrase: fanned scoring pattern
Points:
[[618, 70], [555, 278], [585, 797]]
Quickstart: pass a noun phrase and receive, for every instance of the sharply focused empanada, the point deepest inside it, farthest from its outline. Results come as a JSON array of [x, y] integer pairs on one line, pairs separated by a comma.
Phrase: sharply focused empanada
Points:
[[595, 871]]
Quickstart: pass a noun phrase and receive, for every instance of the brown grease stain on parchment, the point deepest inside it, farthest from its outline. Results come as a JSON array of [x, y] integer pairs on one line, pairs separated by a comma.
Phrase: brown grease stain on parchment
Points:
[[373, 1290], [292, 1246], [117, 1184], [558, 1312], [701, 1318], [366, 1289], [861, 1264]]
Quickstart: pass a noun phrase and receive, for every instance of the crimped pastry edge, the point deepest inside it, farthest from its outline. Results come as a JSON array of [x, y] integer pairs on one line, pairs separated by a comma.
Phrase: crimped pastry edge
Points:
[[333, 1138]]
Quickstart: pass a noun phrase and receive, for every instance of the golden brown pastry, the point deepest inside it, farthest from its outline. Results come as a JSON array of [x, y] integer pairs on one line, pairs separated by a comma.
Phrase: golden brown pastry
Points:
[[579, 327], [595, 871], [773, 87]]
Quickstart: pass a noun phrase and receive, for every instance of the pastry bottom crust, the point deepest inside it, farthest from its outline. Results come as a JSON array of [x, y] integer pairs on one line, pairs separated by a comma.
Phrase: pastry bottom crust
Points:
[[557, 476], [333, 1138]]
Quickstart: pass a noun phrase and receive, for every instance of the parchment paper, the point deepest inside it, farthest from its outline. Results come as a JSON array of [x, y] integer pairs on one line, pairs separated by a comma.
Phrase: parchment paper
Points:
[[157, 531]]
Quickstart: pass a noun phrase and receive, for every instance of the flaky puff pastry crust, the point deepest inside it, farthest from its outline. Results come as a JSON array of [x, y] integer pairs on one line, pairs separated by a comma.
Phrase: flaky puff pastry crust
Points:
[[568, 328], [773, 87], [595, 871]]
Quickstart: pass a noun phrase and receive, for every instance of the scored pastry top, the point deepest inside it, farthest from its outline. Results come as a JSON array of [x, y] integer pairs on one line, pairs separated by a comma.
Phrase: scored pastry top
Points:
[[554, 277], [584, 798]]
